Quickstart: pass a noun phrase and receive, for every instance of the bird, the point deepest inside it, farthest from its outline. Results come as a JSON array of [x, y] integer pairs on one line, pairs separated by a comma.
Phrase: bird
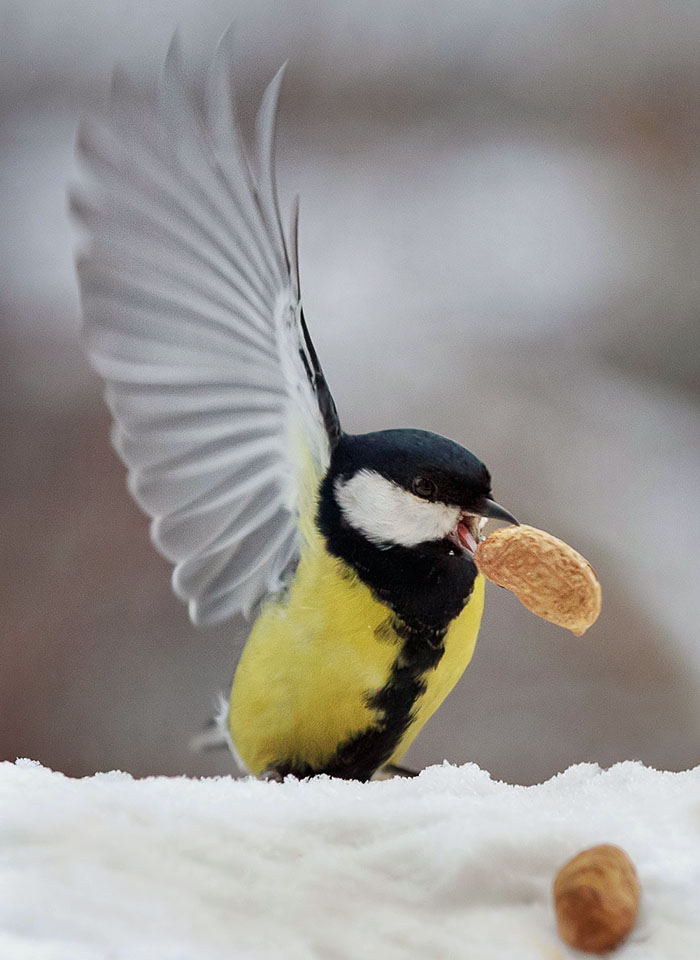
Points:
[[351, 556]]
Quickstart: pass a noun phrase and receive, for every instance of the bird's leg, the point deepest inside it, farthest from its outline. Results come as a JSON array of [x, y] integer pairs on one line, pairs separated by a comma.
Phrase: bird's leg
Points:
[[272, 774], [391, 770]]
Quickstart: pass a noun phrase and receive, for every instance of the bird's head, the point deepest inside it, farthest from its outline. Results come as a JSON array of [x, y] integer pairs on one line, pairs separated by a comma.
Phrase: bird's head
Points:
[[411, 489]]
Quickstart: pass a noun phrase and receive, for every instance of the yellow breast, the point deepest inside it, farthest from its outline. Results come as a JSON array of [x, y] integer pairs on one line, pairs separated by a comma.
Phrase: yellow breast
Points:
[[314, 659]]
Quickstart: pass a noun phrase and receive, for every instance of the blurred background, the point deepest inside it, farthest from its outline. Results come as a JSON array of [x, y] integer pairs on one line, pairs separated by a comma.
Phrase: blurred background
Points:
[[500, 240]]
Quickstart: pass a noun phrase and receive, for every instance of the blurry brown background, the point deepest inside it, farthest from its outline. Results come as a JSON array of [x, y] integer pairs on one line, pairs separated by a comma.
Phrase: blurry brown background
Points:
[[500, 241]]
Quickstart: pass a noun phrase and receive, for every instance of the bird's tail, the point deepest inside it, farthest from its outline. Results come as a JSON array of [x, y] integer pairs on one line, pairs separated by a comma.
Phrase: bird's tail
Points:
[[214, 735]]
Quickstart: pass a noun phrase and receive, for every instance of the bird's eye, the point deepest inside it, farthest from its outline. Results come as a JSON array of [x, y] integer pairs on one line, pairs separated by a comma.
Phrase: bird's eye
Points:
[[423, 487]]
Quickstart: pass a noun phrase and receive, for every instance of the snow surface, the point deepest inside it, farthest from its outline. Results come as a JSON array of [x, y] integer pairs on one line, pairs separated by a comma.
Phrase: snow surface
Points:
[[451, 864]]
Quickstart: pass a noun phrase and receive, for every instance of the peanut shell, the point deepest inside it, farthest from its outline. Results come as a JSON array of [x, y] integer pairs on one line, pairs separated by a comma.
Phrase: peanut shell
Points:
[[547, 575], [596, 899]]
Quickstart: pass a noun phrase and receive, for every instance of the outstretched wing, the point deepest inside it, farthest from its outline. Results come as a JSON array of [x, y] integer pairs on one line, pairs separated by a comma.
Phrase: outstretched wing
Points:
[[192, 315]]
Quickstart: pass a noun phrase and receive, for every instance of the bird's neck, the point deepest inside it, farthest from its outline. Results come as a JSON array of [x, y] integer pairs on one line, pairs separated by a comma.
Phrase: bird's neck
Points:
[[426, 586]]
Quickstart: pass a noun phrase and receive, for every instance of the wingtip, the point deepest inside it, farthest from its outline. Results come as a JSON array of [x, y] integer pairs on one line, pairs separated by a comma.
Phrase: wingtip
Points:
[[173, 64], [175, 44], [281, 71], [192, 606], [181, 594], [272, 90], [227, 40]]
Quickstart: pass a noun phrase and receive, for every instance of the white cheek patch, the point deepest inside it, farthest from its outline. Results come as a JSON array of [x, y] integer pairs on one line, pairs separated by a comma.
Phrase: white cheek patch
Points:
[[387, 514]]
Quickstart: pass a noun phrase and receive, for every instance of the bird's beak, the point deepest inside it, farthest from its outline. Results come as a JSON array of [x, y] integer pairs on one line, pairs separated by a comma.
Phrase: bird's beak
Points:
[[492, 510]]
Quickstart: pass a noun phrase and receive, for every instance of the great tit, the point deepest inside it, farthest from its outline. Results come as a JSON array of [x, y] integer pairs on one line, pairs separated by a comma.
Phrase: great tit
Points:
[[353, 556]]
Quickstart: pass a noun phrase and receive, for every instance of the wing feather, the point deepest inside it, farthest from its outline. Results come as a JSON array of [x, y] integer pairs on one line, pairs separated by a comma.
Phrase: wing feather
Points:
[[191, 307]]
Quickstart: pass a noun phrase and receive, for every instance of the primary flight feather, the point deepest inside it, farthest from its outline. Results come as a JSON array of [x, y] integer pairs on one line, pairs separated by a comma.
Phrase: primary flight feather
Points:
[[353, 555]]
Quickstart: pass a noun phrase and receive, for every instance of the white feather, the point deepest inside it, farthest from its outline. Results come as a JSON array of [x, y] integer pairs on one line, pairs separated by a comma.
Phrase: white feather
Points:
[[387, 514], [192, 316]]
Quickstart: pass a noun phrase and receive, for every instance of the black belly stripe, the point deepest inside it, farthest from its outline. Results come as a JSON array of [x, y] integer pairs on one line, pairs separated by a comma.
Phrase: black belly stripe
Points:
[[361, 755], [423, 588]]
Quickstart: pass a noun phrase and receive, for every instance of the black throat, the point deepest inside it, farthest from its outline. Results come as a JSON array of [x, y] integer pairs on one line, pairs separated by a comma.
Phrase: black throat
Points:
[[426, 586]]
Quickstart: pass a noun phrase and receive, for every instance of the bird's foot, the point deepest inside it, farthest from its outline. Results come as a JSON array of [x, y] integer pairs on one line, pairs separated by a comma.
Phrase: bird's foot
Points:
[[391, 770]]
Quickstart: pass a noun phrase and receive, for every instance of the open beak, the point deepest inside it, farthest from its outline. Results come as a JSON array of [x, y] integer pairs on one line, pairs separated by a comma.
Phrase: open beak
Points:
[[468, 532], [494, 511]]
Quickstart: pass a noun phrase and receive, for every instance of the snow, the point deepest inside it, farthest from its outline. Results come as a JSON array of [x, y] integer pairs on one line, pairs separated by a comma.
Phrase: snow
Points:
[[450, 864]]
